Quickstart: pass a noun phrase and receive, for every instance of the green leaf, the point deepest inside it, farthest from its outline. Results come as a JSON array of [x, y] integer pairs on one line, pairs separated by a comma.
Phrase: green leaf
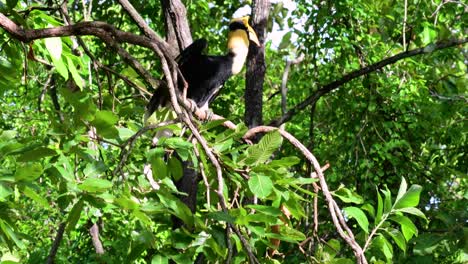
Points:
[[348, 196], [285, 41], [74, 72], [175, 168], [359, 215], [36, 197], [265, 209], [37, 154], [127, 203], [158, 167], [223, 146], [10, 233], [285, 162], [60, 67], [379, 214], [291, 233], [259, 218], [332, 247], [288, 234], [74, 215], [65, 169], [7, 135], [95, 185], [369, 208], [387, 200], [399, 239], [407, 226], [11, 3], [29, 172], [293, 204], [221, 217], [402, 190], [5, 191], [104, 122], [428, 34], [94, 169], [413, 211], [300, 181], [427, 243], [178, 208], [261, 152], [410, 198], [159, 259], [125, 133], [260, 185], [179, 144], [54, 47], [142, 217], [383, 245]]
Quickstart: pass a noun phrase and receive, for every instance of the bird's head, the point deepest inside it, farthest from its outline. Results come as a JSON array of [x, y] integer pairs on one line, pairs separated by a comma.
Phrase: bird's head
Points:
[[240, 33]]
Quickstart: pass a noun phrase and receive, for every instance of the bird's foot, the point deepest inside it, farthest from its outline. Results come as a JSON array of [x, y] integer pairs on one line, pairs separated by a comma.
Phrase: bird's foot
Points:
[[209, 115], [193, 105]]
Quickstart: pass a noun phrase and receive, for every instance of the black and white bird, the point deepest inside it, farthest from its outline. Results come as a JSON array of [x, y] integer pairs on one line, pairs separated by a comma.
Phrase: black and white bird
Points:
[[206, 74]]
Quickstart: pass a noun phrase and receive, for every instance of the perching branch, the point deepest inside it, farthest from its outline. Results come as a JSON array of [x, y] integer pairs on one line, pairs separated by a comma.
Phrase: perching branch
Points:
[[363, 71], [333, 208]]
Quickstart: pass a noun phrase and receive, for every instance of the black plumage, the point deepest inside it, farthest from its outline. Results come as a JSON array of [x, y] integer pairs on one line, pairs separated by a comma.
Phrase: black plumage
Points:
[[206, 74]]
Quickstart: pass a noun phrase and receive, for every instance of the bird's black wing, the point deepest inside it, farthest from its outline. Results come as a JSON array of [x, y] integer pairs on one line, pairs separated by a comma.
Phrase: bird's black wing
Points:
[[206, 75], [189, 55], [194, 50]]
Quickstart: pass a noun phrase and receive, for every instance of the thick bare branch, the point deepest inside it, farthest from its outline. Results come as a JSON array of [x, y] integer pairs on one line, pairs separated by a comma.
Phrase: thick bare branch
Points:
[[168, 49]]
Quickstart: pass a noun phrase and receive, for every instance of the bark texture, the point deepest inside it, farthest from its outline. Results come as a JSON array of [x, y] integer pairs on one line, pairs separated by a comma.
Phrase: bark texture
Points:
[[256, 68], [177, 26]]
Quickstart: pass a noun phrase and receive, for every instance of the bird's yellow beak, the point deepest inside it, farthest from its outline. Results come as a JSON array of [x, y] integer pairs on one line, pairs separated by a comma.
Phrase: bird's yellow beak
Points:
[[252, 35], [251, 32]]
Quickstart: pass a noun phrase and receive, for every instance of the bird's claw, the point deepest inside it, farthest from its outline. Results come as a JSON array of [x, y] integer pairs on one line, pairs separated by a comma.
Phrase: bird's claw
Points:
[[209, 115], [193, 105]]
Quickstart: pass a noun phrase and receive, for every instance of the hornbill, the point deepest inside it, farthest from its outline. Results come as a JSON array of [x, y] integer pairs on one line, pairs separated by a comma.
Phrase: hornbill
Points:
[[206, 74]]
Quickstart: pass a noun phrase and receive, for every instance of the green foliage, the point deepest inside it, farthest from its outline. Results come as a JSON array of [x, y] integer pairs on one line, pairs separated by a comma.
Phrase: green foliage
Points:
[[65, 126]]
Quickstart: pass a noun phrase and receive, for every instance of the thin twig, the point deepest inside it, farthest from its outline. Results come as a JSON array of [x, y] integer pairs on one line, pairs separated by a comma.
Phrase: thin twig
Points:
[[202, 171], [363, 71]]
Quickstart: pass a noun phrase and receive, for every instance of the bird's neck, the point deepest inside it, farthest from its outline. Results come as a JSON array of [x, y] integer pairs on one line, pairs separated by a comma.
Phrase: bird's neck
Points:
[[238, 46]]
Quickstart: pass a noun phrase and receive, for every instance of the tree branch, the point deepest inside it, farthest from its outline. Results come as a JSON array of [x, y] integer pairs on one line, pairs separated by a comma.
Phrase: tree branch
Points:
[[56, 244], [363, 71], [94, 232], [149, 32], [333, 208], [177, 27]]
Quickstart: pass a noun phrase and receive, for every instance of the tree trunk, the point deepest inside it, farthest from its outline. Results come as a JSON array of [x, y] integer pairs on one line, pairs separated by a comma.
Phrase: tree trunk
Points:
[[256, 68], [177, 27]]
